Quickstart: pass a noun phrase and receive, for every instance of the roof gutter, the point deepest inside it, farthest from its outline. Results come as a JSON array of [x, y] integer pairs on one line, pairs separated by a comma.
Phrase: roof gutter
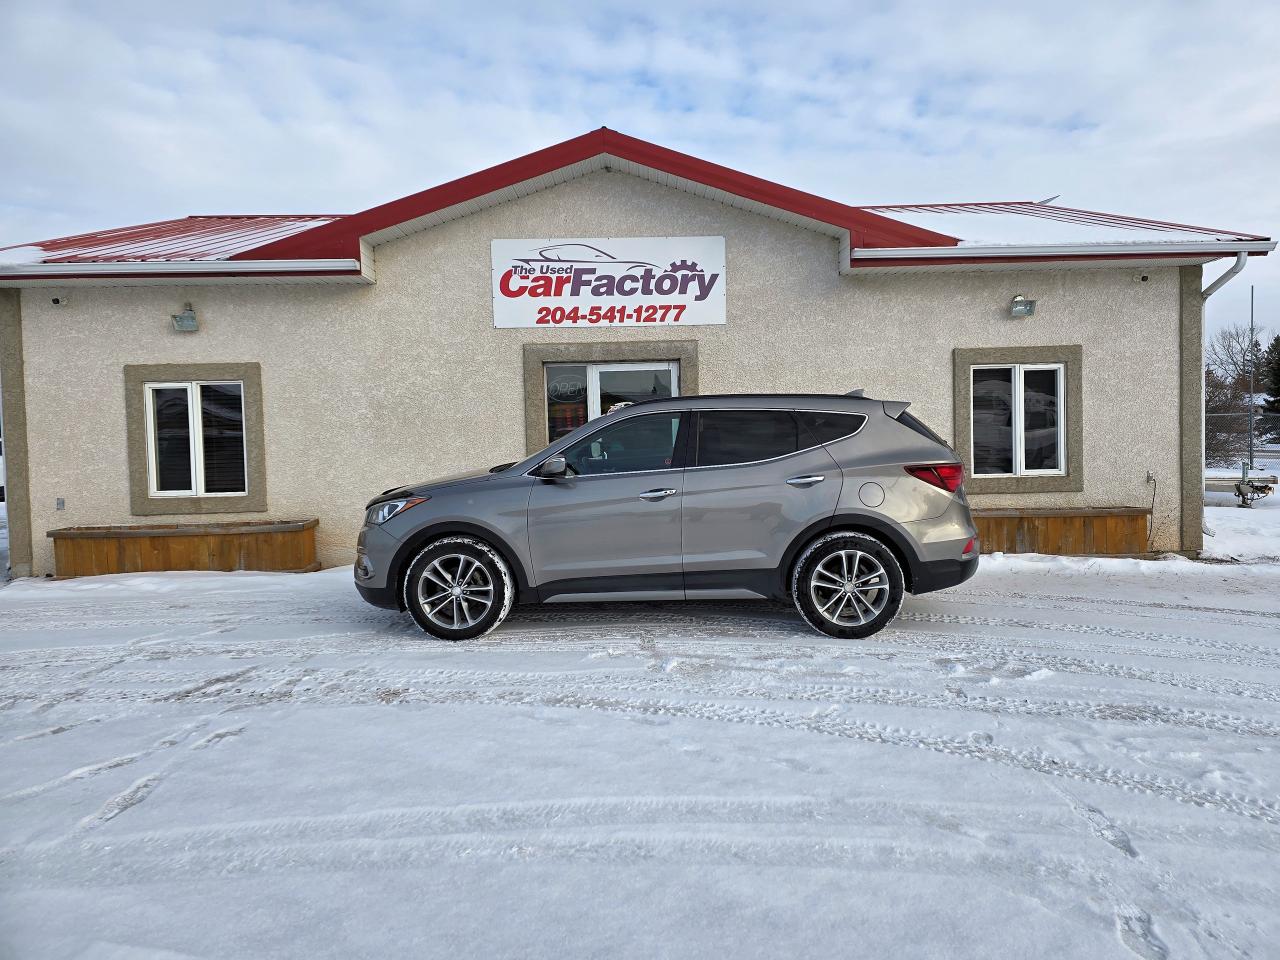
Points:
[[998, 251], [162, 268]]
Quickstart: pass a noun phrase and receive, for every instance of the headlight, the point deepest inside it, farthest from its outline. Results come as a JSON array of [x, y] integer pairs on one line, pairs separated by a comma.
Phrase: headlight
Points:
[[382, 512]]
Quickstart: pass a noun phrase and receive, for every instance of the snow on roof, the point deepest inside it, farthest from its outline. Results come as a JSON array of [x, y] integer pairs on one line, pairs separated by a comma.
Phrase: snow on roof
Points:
[[1023, 223], [198, 238]]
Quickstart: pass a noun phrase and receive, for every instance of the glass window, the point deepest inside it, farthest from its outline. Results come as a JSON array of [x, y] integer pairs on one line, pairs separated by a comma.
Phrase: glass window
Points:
[[566, 398], [623, 385], [745, 436], [830, 427], [993, 420], [580, 392], [1017, 425], [638, 443], [196, 449], [1040, 392], [171, 439], [222, 437]]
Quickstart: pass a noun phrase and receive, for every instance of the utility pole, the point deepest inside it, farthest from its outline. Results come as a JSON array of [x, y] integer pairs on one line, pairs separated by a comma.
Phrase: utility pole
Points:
[[1253, 362]]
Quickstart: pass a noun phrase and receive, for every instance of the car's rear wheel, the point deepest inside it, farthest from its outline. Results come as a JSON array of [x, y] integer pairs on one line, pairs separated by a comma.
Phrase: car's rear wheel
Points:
[[847, 585], [458, 588]]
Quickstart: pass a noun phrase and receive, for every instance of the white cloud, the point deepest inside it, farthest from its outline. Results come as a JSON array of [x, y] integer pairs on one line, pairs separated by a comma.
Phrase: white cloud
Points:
[[126, 112]]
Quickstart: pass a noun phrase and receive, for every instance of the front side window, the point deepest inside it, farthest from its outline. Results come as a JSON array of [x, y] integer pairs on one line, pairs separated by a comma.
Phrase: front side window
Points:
[[1017, 417], [745, 436], [195, 439], [635, 444]]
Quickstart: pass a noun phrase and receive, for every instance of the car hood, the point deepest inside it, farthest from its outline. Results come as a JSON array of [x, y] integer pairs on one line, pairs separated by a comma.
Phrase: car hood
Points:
[[426, 486]]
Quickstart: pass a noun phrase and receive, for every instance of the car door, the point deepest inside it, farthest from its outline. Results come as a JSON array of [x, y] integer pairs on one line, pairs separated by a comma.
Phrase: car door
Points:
[[755, 479], [612, 524]]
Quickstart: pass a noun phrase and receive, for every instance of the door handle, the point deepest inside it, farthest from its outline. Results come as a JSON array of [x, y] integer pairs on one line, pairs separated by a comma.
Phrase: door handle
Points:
[[806, 481], [657, 494]]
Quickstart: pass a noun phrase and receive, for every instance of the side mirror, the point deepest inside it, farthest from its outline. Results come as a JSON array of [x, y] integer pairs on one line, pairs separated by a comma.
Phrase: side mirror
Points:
[[553, 468]]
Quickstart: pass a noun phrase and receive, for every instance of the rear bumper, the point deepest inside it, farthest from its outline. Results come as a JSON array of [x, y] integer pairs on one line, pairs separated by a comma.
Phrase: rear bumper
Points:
[[931, 575]]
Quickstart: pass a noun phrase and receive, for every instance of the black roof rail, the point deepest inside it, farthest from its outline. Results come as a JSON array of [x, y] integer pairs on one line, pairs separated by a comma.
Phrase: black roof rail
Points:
[[853, 394]]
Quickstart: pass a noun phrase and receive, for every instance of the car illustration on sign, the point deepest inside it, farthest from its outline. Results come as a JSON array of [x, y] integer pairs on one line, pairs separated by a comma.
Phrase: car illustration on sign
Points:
[[579, 253]]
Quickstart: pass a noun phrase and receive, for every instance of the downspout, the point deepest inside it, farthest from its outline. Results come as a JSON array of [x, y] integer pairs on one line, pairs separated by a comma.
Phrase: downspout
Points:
[[1241, 259]]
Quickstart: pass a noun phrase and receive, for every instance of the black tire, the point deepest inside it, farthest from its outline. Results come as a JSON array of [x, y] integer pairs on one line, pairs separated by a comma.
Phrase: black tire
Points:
[[874, 603], [481, 576]]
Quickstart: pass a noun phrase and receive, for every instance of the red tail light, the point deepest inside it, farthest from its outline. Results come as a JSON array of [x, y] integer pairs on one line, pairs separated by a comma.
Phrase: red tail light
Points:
[[946, 476]]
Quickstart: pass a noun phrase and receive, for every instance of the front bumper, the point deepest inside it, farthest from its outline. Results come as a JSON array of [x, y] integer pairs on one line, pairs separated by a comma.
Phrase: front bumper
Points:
[[375, 556], [380, 596]]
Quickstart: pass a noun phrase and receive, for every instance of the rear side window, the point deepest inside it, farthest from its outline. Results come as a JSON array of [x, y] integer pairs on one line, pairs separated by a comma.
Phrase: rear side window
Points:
[[745, 436], [830, 427]]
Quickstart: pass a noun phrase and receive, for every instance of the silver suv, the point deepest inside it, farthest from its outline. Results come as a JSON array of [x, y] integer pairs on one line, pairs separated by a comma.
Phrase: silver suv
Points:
[[838, 504]]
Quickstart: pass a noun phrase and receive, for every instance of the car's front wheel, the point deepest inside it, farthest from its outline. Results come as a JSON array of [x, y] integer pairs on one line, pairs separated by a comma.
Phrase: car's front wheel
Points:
[[847, 585], [458, 588]]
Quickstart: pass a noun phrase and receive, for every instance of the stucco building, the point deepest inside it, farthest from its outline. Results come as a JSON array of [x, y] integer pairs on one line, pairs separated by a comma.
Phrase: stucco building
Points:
[[236, 368]]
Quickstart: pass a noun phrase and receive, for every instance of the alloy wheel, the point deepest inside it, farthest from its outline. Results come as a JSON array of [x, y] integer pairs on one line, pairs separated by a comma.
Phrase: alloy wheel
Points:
[[849, 588], [455, 591]]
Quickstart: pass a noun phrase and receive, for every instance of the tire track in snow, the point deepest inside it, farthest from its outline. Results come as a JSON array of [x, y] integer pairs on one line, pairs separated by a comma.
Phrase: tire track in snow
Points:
[[1243, 653], [1059, 882], [824, 724], [94, 769], [385, 686]]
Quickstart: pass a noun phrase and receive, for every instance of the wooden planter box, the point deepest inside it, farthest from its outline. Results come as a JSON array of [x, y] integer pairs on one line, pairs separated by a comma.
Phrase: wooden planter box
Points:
[[279, 545], [1111, 530]]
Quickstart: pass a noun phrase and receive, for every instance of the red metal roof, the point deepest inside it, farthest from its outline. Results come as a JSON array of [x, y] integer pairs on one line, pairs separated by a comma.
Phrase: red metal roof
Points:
[[342, 238], [310, 245], [1014, 222], [206, 238]]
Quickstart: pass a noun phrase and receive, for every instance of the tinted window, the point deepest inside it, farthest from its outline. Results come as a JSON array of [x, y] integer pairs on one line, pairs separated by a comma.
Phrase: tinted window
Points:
[[640, 443], [743, 436], [920, 427], [829, 427]]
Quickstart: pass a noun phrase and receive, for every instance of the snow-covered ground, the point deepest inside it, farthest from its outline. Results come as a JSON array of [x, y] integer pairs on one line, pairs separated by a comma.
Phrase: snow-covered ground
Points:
[[1062, 758], [1248, 534], [4, 541]]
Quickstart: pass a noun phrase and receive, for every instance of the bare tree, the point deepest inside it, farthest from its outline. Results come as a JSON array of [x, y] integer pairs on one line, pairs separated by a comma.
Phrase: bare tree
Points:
[[1230, 351], [1229, 355], [1226, 422]]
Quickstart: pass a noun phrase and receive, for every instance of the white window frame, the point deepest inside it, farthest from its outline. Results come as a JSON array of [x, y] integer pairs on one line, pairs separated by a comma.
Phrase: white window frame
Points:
[[196, 432], [1019, 422]]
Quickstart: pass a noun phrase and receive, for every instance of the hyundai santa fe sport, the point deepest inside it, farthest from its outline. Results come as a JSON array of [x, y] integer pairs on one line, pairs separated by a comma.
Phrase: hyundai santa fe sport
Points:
[[838, 504]]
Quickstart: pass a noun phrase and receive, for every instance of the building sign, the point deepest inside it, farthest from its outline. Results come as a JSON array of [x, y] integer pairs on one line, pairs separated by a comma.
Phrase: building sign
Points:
[[629, 281]]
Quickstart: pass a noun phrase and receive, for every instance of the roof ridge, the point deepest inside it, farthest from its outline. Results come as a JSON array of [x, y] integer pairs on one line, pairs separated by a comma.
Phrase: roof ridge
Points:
[[265, 216]]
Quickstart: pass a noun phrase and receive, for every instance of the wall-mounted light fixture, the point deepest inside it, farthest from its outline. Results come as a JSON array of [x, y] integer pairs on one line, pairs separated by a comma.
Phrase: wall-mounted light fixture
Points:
[[1022, 307], [186, 322]]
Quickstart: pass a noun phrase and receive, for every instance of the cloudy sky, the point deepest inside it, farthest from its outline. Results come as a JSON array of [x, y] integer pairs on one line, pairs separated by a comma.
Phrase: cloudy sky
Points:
[[118, 113]]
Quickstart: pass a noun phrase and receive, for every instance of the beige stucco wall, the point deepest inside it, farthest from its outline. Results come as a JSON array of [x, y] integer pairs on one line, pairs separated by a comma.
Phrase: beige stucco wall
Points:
[[367, 387]]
